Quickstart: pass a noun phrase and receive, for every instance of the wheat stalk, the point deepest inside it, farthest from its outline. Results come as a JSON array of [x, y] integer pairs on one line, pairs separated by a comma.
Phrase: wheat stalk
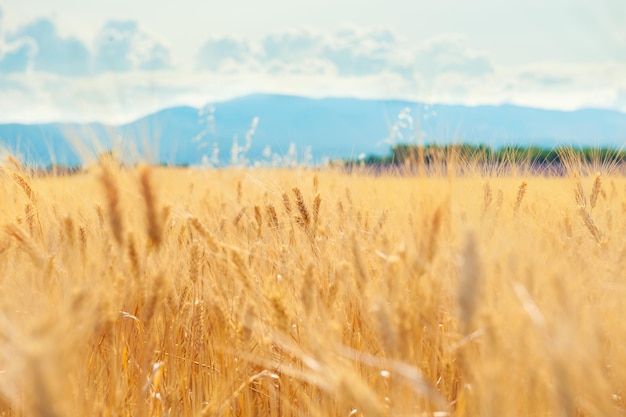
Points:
[[27, 243], [133, 257], [194, 261], [17, 165], [307, 295], [258, 218], [271, 212], [487, 196], [304, 219], [155, 298], [590, 225], [68, 225], [286, 203], [595, 191], [155, 230], [581, 198], [113, 203], [470, 284], [204, 232], [521, 192], [23, 183]]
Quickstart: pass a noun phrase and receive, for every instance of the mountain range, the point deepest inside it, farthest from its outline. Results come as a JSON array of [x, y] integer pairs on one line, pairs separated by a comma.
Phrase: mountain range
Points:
[[278, 129]]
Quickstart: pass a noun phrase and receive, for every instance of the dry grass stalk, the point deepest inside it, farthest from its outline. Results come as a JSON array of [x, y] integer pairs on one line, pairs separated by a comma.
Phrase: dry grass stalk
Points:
[[17, 165], [316, 211], [31, 215], [239, 215], [68, 225], [26, 242], [360, 394], [385, 327], [579, 193], [487, 196], [194, 262], [100, 215], [595, 191], [43, 403], [23, 183], [359, 266], [204, 232], [307, 292], [286, 203], [155, 230], [199, 324], [246, 325], [499, 200], [182, 233], [304, 219], [82, 237], [435, 229], [349, 196], [521, 191], [271, 213], [154, 299], [241, 268], [340, 207], [470, 284], [239, 192], [113, 203], [166, 212], [591, 225], [215, 408], [380, 223], [133, 257], [258, 218], [567, 224], [281, 317]]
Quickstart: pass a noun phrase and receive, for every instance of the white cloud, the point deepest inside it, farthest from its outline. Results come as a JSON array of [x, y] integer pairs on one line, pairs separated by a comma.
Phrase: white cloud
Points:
[[291, 46], [41, 45], [16, 57], [107, 97], [363, 52], [220, 52], [545, 85], [122, 46], [349, 51], [450, 54], [544, 79]]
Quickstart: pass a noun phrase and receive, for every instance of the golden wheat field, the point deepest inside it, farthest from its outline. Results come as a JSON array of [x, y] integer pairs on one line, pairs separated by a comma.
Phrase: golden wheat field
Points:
[[272, 292]]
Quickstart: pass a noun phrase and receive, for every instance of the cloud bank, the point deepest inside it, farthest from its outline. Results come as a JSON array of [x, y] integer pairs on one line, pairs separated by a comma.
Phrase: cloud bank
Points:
[[347, 52], [126, 71], [47, 51], [120, 46]]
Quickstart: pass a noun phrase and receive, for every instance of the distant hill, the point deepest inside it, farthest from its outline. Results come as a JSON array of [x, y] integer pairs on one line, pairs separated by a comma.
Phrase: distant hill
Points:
[[332, 128]]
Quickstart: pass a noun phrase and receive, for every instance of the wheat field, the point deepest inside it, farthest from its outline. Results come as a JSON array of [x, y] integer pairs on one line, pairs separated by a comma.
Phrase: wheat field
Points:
[[146, 291]]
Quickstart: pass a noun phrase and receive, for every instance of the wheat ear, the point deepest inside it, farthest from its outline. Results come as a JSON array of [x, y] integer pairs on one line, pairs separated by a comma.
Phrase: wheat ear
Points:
[[155, 231]]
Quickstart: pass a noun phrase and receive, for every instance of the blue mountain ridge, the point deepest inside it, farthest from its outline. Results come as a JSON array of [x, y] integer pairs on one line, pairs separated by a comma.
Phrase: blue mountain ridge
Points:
[[333, 128]]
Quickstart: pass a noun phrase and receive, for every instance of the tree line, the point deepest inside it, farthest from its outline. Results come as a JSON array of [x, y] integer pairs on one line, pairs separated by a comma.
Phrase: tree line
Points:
[[433, 154]]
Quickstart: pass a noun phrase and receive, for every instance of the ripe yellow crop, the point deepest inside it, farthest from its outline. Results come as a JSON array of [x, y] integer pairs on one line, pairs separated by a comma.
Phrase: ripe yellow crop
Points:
[[180, 292]]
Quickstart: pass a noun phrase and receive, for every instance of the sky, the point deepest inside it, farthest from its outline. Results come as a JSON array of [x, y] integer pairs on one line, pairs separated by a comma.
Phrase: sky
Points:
[[116, 60]]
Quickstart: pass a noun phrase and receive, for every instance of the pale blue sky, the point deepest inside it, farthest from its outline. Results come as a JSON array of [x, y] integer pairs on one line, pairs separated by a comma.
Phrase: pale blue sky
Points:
[[113, 60]]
